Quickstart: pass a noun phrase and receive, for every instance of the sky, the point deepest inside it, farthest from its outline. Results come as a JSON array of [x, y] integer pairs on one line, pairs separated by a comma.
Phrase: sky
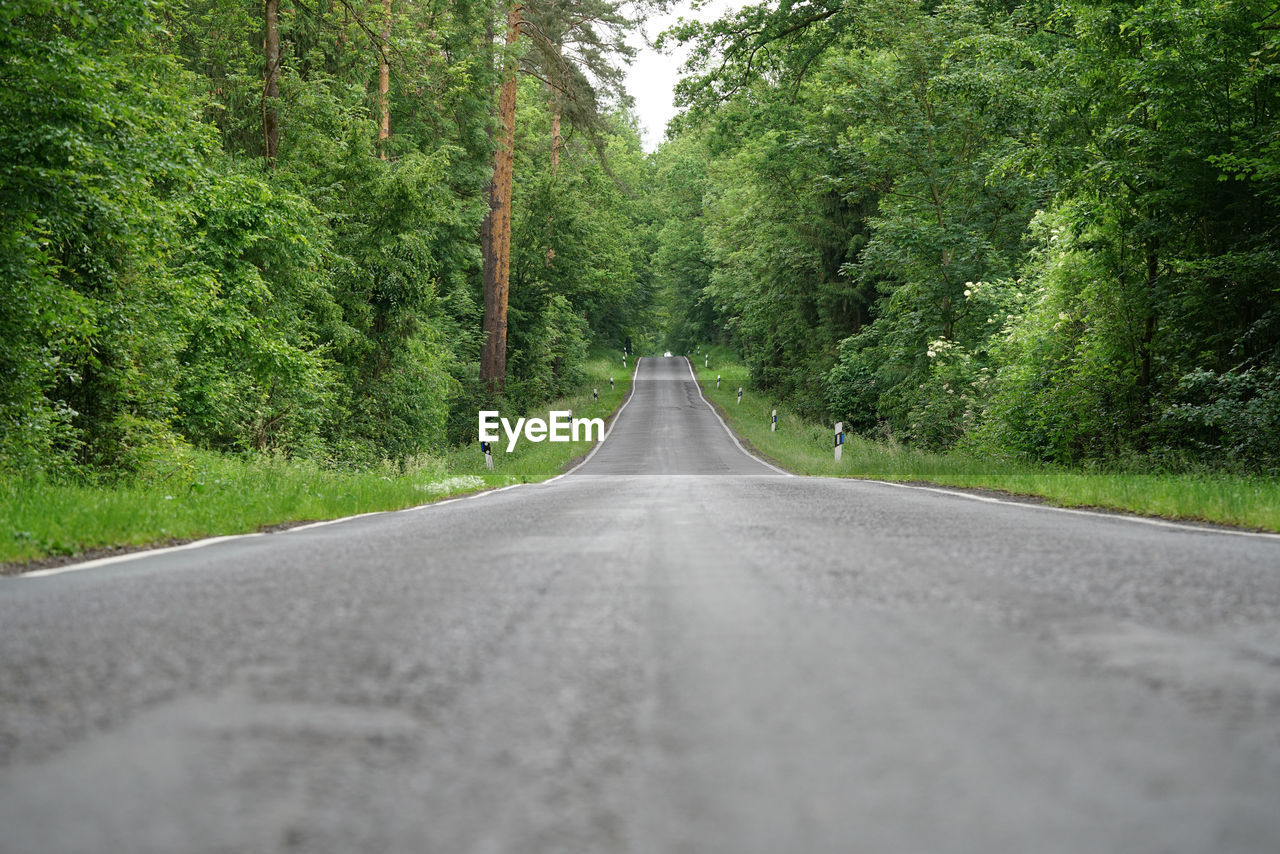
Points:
[[652, 76]]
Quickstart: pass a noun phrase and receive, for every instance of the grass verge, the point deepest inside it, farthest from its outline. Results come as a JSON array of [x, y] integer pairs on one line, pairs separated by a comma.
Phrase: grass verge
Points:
[[203, 494], [805, 447]]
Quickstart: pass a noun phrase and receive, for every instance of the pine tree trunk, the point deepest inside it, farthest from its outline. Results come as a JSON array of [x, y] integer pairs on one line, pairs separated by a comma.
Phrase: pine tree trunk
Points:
[[271, 80], [384, 84], [496, 232]]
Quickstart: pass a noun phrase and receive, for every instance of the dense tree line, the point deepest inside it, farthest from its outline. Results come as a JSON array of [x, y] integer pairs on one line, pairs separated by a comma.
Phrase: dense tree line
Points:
[[331, 228], [1043, 228], [256, 225]]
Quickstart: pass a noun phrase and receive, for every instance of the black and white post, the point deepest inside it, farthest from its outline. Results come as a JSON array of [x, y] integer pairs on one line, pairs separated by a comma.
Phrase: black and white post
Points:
[[595, 394], [717, 381], [739, 394], [610, 383], [706, 361], [773, 423], [487, 450], [839, 439]]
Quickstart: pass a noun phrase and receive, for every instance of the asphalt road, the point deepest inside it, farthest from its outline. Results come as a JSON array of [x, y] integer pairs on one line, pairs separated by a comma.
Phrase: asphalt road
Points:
[[673, 649]]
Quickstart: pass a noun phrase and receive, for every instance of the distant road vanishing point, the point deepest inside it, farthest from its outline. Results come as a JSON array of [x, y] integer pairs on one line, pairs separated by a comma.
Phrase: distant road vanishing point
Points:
[[675, 648]]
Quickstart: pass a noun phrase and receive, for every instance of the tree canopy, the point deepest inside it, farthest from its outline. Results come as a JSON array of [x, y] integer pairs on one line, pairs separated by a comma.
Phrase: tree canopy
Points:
[[1039, 229], [259, 232], [1043, 229]]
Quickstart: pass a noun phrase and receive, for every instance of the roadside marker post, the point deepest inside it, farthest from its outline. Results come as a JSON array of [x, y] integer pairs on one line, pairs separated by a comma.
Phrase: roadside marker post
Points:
[[624, 360], [595, 393], [717, 381], [487, 449], [773, 424], [739, 394], [839, 439], [610, 383], [706, 361]]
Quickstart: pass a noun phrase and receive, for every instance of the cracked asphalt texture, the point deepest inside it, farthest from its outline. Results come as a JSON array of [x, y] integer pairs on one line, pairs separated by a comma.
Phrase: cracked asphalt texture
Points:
[[673, 649]]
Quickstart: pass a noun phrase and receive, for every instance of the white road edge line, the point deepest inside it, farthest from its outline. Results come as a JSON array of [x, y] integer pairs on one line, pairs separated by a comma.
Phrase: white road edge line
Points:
[[698, 386], [310, 525], [1119, 515], [104, 561], [208, 541]]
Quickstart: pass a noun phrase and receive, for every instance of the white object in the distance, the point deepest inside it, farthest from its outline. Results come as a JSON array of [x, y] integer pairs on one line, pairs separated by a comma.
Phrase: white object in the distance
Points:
[[666, 355], [839, 439]]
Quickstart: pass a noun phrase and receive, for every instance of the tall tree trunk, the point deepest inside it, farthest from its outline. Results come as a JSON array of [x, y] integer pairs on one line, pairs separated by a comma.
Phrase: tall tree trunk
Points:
[[496, 232], [271, 80], [384, 83]]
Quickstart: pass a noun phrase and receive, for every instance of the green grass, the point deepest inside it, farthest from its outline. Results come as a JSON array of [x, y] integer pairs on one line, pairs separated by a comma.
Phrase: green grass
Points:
[[200, 494], [806, 447]]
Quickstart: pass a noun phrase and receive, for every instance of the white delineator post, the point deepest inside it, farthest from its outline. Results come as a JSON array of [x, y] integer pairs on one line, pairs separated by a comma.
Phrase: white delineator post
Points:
[[717, 381], [624, 360], [595, 394], [488, 455], [610, 383], [839, 439], [773, 424], [706, 361], [739, 394]]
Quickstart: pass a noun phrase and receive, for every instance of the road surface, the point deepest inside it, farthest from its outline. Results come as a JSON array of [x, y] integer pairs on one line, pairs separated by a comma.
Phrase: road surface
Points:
[[673, 649]]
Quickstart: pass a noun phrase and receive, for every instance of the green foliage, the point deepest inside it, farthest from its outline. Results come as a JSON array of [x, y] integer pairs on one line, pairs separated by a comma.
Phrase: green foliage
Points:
[[804, 446], [253, 375], [163, 288], [579, 249], [98, 155], [1051, 229]]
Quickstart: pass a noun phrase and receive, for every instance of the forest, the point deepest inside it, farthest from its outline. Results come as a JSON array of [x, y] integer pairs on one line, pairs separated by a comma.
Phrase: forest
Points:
[[1041, 230], [333, 229], [272, 228]]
